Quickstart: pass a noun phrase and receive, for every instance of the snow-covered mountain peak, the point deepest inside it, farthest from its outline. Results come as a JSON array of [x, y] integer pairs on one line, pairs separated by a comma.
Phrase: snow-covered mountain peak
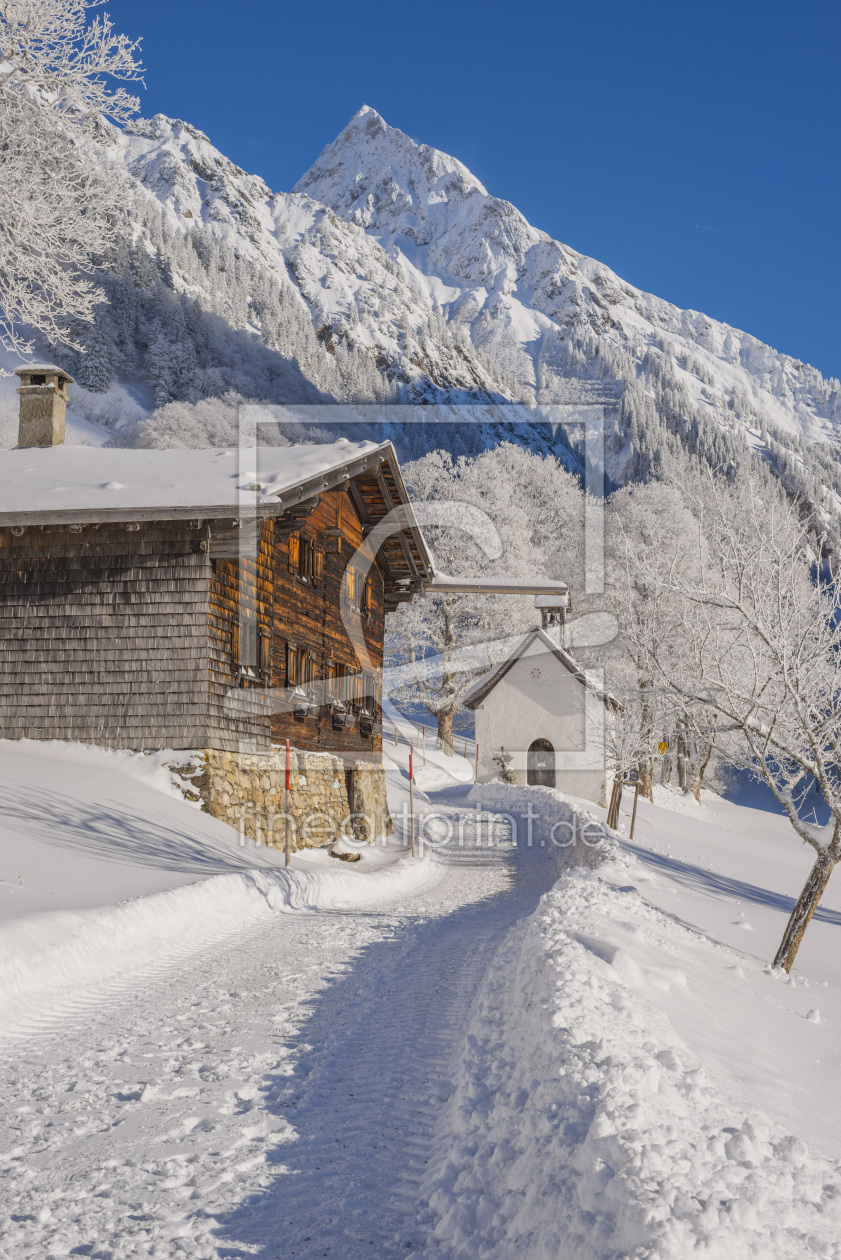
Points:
[[391, 273], [374, 174], [539, 309]]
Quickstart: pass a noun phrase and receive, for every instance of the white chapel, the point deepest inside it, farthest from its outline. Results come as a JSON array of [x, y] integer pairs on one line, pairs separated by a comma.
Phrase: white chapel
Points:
[[541, 715]]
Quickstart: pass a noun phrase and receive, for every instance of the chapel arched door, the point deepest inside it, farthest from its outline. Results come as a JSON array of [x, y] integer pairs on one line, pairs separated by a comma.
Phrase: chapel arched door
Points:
[[540, 769]]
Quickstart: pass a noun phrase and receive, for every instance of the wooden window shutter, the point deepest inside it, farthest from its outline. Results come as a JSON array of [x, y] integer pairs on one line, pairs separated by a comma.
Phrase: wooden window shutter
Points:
[[318, 564], [265, 653], [294, 552], [291, 665], [236, 650], [351, 582]]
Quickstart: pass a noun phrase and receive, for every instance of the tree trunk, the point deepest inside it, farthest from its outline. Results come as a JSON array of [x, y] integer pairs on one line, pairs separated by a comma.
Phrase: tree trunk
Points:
[[645, 779], [445, 731], [615, 801], [702, 769], [681, 761], [666, 771], [645, 767], [807, 904]]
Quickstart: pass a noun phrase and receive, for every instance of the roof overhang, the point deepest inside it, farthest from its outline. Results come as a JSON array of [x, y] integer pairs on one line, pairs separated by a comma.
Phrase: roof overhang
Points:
[[443, 584]]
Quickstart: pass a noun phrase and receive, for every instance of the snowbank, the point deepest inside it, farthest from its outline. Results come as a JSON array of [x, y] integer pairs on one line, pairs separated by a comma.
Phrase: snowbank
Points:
[[46, 959], [109, 874], [583, 1125]]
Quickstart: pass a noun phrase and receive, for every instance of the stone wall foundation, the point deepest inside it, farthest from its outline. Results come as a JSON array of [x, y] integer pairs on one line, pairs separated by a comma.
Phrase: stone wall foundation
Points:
[[247, 791]]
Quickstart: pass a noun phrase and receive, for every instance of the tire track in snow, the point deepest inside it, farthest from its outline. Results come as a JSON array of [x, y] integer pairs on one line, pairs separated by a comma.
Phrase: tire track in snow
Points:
[[377, 1066], [275, 1097]]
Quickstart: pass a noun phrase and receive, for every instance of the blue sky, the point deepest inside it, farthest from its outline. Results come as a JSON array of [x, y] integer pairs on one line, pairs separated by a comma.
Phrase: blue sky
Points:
[[692, 148]]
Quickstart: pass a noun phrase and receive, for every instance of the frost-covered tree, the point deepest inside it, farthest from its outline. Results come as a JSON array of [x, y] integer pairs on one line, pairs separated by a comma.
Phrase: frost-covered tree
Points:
[[643, 523], [751, 633], [50, 47], [533, 513], [60, 195], [95, 369]]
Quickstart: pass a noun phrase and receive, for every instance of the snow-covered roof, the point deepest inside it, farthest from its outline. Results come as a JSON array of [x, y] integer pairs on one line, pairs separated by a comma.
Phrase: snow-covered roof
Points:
[[543, 588], [74, 483], [25, 368], [553, 601], [485, 685]]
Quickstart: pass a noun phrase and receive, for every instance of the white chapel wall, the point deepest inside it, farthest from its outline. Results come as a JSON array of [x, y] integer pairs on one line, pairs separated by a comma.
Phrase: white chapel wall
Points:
[[538, 698]]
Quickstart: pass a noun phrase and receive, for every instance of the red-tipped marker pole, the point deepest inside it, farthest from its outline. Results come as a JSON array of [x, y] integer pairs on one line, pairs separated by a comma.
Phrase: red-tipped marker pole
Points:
[[412, 794], [286, 813]]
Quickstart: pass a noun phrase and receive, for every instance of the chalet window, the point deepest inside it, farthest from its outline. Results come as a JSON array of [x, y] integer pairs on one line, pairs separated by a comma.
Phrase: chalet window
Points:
[[310, 561], [369, 689], [350, 582], [305, 668], [294, 552], [245, 648], [305, 565], [291, 665], [355, 697]]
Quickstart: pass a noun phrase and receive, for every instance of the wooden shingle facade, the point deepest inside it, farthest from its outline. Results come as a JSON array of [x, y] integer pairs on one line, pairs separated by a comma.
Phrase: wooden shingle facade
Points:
[[184, 626]]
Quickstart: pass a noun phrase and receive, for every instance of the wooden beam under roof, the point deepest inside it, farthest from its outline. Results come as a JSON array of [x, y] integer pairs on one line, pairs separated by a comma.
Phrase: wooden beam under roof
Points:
[[389, 503]]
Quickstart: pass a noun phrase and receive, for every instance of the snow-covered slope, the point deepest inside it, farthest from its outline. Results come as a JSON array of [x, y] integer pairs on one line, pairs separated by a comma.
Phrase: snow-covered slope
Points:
[[518, 291], [340, 275], [390, 273]]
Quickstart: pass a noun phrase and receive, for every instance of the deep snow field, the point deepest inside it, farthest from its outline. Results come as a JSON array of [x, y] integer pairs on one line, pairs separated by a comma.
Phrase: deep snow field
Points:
[[494, 1049]]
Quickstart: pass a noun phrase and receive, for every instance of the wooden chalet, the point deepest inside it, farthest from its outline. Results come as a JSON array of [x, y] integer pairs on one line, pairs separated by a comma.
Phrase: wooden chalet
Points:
[[217, 601], [168, 599]]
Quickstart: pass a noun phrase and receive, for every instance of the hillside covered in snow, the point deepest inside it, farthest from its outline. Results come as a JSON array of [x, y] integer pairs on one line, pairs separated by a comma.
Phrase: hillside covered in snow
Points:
[[389, 274]]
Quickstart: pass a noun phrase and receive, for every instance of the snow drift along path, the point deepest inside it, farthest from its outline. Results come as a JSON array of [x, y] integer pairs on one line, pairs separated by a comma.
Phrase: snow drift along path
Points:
[[110, 877]]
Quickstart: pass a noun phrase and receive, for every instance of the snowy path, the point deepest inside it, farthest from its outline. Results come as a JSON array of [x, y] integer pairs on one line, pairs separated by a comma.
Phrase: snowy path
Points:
[[212, 1112]]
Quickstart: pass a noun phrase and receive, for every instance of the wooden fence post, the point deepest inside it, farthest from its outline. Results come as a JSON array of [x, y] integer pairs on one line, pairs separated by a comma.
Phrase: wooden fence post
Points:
[[634, 813]]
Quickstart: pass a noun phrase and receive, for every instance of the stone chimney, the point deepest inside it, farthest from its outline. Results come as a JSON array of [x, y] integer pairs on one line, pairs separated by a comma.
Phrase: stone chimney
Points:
[[43, 404], [553, 616]]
